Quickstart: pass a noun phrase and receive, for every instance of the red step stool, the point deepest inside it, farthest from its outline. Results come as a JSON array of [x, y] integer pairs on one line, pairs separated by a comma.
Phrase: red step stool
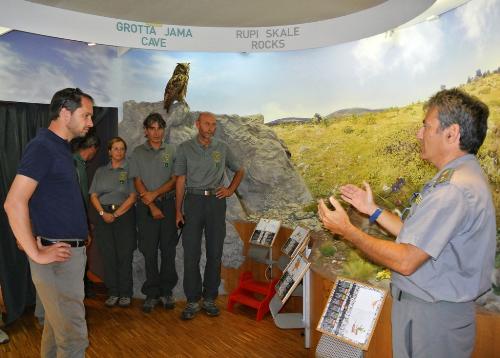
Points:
[[248, 291]]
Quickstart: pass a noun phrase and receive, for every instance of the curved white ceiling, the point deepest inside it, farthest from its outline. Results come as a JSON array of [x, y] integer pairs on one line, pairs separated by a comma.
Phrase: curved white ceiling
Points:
[[214, 25], [217, 13]]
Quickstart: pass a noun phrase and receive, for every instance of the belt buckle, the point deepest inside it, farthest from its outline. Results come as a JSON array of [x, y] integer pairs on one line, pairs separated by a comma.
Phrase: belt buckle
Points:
[[113, 207], [207, 192], [77, 243]]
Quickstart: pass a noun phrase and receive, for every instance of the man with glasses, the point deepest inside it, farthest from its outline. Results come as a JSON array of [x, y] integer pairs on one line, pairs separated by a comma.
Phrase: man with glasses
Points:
[[47, 216], [443, 257], [151, 166]]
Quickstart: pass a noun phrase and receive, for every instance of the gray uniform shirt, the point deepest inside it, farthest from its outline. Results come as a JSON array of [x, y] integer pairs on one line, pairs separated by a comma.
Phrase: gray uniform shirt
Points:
[[204, 167], [453, 221], [154, 167], [112, 185]]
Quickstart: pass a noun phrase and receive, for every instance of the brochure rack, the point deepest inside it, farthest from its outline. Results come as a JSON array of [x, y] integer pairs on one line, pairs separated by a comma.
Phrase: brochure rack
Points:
[[295, 320]]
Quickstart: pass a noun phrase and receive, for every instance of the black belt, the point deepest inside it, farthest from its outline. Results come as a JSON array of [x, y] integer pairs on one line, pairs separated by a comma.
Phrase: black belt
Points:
[[204, 192], [72, 243], [111, 207]]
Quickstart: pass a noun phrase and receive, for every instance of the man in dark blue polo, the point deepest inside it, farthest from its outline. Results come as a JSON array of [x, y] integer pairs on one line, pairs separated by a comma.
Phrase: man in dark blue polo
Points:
[[47, 216], [200, 168]]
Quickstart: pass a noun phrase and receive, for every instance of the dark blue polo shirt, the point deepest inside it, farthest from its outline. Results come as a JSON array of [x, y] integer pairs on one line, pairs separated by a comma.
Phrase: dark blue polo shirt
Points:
[[56, 207]]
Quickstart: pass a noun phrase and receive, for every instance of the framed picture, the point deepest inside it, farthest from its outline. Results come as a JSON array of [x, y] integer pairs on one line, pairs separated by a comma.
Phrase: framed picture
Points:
[[296, 242], [291, 277], [265, 232], [352, 311]]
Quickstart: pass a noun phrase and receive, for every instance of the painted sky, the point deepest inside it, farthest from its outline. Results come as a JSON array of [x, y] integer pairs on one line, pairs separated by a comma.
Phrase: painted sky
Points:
[[386, 70]]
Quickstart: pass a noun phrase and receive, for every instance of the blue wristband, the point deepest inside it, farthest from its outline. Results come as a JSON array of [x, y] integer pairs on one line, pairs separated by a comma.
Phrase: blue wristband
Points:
[[375, 215]]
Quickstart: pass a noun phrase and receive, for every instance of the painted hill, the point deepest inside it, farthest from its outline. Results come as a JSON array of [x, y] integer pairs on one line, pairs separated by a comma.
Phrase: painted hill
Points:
[[351, 111], [337, 114], [288, 120]]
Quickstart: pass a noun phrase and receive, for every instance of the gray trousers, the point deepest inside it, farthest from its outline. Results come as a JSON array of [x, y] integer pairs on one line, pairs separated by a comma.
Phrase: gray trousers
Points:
[[60, 287], [203, 213], [439, 330], [116, 243], [162, 234]]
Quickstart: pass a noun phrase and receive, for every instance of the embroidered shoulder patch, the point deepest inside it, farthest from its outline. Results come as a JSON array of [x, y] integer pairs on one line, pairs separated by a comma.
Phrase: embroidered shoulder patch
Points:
[[445, 176], [122, 177], [165, 159], [216, 156]]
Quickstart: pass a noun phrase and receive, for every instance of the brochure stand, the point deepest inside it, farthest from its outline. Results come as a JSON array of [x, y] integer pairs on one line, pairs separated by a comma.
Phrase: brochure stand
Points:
[[294, 320]]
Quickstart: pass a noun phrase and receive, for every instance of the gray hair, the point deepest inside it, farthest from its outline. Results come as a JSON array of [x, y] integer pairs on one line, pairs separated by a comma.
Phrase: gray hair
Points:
[[457, 107]]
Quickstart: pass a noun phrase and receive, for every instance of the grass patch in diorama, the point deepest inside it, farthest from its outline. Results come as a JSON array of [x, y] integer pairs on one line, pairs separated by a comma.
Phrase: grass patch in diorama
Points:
[[382, 149], [327, 249], [357, 268]]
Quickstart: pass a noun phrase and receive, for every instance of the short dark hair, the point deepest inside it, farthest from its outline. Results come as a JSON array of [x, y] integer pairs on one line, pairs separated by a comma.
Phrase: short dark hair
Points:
[[116, 140], [69, 98], [457, 107], [154, 118], [90, 140]]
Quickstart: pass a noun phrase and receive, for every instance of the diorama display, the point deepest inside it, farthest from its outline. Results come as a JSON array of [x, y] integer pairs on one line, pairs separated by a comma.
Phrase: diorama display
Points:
[[291, 277], [381, 148], [352, 311], [265, 232], [292, 154], [296, 242]]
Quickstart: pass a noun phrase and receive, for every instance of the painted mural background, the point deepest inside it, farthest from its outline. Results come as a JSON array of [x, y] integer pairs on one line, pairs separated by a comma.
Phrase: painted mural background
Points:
[[392, 73], [387, 70]]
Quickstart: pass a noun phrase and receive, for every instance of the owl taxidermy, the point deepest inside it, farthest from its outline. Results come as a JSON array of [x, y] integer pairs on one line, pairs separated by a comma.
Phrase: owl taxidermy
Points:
[[177, 86]]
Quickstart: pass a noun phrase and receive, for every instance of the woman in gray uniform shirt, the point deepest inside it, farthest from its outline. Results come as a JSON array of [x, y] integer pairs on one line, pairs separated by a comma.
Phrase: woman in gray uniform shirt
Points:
[[113, 195]]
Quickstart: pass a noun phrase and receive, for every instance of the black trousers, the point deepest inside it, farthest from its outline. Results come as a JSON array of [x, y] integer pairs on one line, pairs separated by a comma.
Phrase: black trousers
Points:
[[162, 234], [203, 213], [117, 242]]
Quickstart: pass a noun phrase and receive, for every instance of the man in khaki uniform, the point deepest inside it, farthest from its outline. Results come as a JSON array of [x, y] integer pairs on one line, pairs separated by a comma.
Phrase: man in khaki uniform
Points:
[[151, 166], [200, 166]]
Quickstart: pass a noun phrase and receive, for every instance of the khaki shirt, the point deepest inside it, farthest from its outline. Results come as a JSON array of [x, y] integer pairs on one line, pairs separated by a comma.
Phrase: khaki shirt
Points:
[[204, 168], [453, 221], [112, 185], [154, 167]]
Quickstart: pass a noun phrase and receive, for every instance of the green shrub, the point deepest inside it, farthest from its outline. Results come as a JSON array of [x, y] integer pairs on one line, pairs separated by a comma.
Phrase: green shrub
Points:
[[328, 249], [348, 130]]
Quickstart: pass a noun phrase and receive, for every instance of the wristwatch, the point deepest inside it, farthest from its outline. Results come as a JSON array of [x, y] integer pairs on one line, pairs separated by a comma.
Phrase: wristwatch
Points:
[[101, 213]]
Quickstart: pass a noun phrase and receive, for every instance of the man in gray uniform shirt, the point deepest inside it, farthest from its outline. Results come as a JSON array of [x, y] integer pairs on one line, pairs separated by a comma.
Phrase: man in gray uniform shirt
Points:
[[151, 166], [200, 166], [443, 257]]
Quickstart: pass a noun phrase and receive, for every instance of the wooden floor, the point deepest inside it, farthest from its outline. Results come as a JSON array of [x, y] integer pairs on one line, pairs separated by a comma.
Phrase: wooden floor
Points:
[[128, 332]]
